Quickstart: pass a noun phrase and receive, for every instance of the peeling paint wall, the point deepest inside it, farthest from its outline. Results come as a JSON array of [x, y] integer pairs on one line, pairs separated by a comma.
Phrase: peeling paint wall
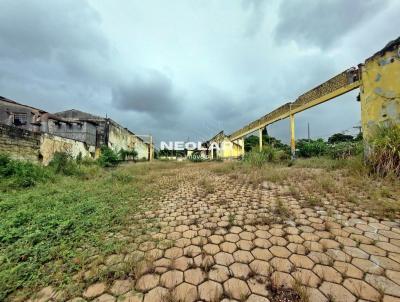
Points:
[[50, 144], [380, 90], [120, 138]]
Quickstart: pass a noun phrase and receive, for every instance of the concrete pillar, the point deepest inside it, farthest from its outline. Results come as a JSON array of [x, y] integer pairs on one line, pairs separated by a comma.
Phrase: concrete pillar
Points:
[[380, 90], [260, 132], [292, 137]]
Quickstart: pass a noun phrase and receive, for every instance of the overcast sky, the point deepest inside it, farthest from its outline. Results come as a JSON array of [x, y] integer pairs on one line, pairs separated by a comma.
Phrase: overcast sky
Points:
[[182, 69]]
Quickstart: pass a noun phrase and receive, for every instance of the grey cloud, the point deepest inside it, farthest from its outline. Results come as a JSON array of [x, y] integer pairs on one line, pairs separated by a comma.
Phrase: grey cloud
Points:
[[322, 23], [151, 92], [53, 37], [256, 18], [35, 29]]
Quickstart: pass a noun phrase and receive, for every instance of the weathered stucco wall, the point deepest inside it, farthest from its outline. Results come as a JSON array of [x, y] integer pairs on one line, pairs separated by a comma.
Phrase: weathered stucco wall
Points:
[[120, 138], [380, 90], [19, 143], [50, 144]]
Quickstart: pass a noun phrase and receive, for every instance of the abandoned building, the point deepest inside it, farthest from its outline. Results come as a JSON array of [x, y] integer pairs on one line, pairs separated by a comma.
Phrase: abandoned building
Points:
[[110, 133], [34, 134]]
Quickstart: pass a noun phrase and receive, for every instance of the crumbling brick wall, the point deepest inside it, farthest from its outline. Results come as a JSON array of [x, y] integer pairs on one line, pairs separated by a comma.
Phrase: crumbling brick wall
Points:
[[19, 143]]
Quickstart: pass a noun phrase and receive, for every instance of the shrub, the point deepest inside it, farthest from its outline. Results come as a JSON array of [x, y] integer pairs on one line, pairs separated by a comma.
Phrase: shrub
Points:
[[127, 154], [21, 174], [384, 156], [108, 158], [310, 148], [63, 163], [268, 154], [345, 150]]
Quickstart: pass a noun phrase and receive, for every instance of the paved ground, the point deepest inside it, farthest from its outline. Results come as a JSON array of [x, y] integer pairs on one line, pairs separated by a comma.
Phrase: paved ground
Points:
[[235, 241]]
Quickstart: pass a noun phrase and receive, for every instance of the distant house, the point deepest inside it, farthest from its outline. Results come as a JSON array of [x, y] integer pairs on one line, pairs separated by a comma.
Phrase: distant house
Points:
[[37, 120], [110, 133], [91, 130]]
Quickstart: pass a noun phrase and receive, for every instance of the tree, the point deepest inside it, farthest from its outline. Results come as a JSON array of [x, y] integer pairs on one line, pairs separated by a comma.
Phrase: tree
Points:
[[340, 137]]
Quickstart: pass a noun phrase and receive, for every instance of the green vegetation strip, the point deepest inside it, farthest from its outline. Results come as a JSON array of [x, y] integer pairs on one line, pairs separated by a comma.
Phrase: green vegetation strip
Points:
[[48, 230]]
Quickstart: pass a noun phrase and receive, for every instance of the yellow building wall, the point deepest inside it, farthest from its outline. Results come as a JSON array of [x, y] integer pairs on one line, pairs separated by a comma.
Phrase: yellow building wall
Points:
[[380, 91], [229, 149]]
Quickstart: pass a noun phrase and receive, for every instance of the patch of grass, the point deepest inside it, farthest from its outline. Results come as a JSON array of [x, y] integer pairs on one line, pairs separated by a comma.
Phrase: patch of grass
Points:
[[313, 201], [207, 185], [384, 156], [48, 231], [15, 174]]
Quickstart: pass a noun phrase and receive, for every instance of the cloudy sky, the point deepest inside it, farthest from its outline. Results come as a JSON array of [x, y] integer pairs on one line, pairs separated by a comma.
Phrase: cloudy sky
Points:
[[186, 69]]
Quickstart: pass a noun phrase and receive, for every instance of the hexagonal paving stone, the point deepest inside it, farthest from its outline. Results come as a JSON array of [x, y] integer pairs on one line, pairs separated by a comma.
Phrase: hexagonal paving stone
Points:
[[261, 267], [327, 273], [189, 234], [257, 286], [192, 251], [261, 254], [281, 279], [223, 258], [232, 238], [131, 296], [315, 295], [278, 241], [120, 287], [372, 249], [281, 264], [243, 256], [256, 298], [262, 243], [337, 292], [228, 247], [301, 261], [306, 277], [280, 251], [182, 263], [173, 253], [348, 270], [355, 252], [247, 236], [394, 276], [147, 282], [236, 289], [158, 294], [245, 245], [367, 266], [262, 234], [194, 276], [385, 262], [171, 279], [210, 291], [211, 249], [105, 298], [361, 289], [216, 239], [95, 290], [218, 273], [381, 282], [240, 270], [185, 292]]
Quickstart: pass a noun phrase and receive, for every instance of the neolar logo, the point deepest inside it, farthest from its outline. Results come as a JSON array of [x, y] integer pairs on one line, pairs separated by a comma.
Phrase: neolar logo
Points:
[[191, 146]]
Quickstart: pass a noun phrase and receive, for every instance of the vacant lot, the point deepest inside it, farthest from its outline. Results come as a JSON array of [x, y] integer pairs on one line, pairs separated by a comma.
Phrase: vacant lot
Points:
[[163, 231]]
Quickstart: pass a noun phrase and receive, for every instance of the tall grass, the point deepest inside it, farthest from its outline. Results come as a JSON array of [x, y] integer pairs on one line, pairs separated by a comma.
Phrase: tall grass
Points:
[[257, 158], [384, 156]]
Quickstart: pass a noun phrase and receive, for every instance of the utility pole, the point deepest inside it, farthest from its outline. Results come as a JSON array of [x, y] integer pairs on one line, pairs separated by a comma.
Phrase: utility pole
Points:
[[308, 131]]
